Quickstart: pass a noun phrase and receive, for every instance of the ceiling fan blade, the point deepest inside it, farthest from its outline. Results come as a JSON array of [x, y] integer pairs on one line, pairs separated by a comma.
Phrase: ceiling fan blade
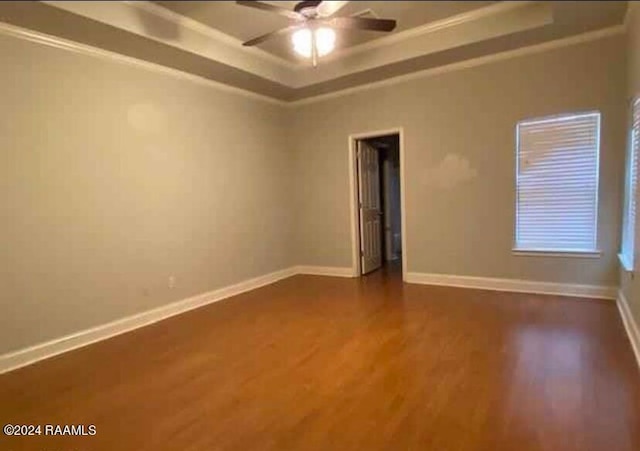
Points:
[[362, 23], [329, 8], [273, 34], [273, 9]]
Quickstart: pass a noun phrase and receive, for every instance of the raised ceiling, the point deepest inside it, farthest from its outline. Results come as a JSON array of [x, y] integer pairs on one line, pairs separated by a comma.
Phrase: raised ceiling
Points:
[[205, 38], [245, 23]]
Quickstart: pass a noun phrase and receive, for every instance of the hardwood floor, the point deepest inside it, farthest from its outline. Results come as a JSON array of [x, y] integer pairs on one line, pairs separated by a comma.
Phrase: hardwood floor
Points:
[[320, 363]]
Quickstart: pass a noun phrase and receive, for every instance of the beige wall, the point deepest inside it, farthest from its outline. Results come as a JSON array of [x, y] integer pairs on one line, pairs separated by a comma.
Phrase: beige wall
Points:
[[470, 115], [630, 285], [633, 47], [114, 177]]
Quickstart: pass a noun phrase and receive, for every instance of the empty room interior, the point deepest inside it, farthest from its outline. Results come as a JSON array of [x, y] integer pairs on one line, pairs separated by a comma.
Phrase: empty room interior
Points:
[[320, 225]]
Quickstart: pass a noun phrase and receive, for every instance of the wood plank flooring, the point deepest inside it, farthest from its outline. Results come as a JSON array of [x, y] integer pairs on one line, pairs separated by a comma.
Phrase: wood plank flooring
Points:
[[320, 363]]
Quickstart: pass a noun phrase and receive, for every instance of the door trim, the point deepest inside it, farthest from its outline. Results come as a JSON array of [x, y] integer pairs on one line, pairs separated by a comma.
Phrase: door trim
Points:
[[353, 177]]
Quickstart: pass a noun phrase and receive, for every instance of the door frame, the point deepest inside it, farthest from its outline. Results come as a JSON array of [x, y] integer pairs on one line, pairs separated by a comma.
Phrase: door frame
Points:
[[353, 197]]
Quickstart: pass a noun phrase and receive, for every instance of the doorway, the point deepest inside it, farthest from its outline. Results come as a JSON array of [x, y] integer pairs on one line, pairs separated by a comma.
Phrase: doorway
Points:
[[377, 204]]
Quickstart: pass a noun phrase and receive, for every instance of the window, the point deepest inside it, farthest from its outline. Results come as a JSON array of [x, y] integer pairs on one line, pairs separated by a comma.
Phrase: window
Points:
[[557, 184], [631, 185]]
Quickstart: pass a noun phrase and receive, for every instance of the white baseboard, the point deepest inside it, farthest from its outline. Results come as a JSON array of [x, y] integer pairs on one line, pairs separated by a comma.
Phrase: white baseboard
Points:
[[515, 285], [334, 271], [630, 324], [27, 356]]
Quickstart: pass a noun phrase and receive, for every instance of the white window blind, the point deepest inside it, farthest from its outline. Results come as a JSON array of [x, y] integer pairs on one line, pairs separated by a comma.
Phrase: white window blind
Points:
[[631, 189], [557, 183]]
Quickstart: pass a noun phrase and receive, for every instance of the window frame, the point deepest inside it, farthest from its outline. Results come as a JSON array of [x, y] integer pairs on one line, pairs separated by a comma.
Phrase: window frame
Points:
[[633, 137], [572, 253]]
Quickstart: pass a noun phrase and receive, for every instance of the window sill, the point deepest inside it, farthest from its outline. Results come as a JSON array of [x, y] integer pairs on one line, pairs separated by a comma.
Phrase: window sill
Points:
[[625, 264], [570, 254]]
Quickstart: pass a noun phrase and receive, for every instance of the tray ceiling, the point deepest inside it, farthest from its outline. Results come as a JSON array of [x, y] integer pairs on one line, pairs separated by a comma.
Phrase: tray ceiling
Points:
[[245, 23], [205, 38]]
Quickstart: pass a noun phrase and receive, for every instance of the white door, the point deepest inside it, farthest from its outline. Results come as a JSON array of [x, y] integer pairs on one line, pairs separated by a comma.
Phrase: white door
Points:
[[370, 214], [387, 196]]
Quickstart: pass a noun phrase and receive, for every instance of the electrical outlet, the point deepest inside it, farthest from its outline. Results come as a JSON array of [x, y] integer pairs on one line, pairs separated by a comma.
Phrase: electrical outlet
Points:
[[172, 281]]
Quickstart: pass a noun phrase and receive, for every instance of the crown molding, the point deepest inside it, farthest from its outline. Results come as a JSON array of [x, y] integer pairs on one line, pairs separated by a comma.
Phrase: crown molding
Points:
[[208, 42], [474, 62], [65, 44], [458, 19], [182, 34], [471, 28], [489, 21], [299, 66], [214, 34], [84, 49]]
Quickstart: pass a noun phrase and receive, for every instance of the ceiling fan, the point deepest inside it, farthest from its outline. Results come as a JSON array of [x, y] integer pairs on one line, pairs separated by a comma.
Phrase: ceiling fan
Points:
[[313, 24]]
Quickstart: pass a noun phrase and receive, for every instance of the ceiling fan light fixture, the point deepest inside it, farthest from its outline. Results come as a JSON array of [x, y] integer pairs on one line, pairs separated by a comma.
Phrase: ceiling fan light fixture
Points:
[[302, 42], [325, 41]]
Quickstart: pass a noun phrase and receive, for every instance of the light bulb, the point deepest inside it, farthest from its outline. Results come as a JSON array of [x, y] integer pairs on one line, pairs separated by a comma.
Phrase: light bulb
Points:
[[325, 41], [302, 42]]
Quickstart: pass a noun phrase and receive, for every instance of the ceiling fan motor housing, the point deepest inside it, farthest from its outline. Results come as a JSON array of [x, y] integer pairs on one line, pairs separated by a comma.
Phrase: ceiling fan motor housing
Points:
[[307, 8]]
